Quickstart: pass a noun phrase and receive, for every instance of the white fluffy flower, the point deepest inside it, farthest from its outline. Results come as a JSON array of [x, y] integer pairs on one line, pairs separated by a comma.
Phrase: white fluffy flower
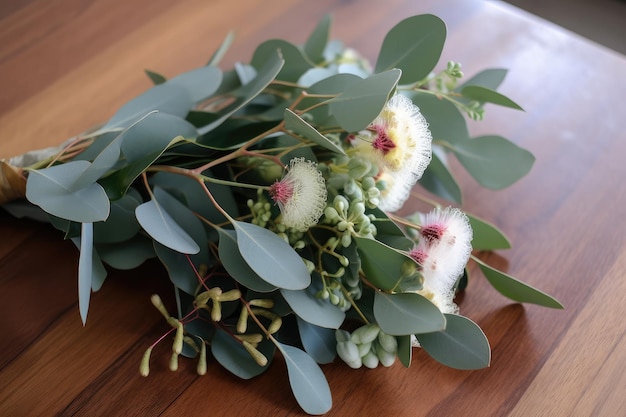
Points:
[[401, 144], [442, 253], [300, 194]]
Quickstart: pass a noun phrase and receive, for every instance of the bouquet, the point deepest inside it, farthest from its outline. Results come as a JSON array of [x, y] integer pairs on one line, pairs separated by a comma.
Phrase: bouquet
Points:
[[268, 193]]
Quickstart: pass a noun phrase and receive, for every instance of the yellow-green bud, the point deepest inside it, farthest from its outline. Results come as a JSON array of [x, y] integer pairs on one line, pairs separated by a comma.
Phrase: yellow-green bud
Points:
[[349, 353], [258, 357], [242, 323], [365, 334], [144, 365], [370, 360], [158, 303], [364, 348], [174, 362], [388, 342], [231, 295], [201, 369], [262, 302]]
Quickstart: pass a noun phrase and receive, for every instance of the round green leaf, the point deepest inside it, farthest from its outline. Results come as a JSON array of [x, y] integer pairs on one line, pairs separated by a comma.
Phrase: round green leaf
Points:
[[486, 236], [406, 313], [271, 257], [53, 190], [236, 266], [162, 228], [514, 289], [307, 381], [231, 354], [493, 161], [462, 345], [384, 266], [318, 342], [414, 45], [362, 101], [308, 307]]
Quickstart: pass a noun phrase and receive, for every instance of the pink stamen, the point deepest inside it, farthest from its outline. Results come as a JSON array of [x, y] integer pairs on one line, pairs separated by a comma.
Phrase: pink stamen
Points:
[[281, 192], [418, 255], [433, 232], [382, 142]]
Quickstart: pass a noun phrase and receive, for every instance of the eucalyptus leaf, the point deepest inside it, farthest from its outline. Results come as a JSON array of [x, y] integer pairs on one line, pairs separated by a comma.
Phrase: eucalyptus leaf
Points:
[[384, 266], [486, 235], [155, 77], [486, 95], [296, 63], [236, 266], [489, 78], [85, 269], [121, 224], [271, 257], [233, 356], [445, 120], [406, 313], [318, 342], [307, 381], [439, 180], [53, 190], [493, 161], [317, 41], [414, 45], [514, 289], [462, 345], [306, 305], [128, 254], [405, 350], [296, 124], [162, 228], [166, 98], [200, 83], [222, 49], [362, 101], [266, 73]]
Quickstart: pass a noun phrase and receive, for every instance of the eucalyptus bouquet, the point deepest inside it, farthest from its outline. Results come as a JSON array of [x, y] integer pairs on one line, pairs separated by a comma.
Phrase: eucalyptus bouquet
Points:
[[268, 192]]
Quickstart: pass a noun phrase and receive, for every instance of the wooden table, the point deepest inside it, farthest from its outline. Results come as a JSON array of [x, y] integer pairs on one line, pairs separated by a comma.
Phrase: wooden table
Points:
[[66, 65]]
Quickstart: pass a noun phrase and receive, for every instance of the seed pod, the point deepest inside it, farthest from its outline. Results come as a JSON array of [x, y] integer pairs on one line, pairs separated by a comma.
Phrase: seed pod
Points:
[[370, 360], [388, 342]]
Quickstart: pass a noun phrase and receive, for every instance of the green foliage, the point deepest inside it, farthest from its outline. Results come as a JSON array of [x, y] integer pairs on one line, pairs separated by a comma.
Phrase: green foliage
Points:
[[362, 101], [199, 171], [494, 161], [515, 289], [407, 313], [414, 45], [307, 381], [462, 345]]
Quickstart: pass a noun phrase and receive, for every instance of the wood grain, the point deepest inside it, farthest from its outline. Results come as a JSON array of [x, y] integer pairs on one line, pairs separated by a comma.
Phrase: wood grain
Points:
[[67, 65]]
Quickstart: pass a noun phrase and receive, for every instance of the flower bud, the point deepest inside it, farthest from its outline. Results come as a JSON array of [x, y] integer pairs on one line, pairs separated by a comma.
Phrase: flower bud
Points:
[[242, 322], [258, 357], [370, 360], [156, 301], [365, 334], [144, 365], [386, 358], [174, 362], [201, 369], [388, 342], [262, 302], [231, 295], [342, 335], [364, 348], [349, 353]]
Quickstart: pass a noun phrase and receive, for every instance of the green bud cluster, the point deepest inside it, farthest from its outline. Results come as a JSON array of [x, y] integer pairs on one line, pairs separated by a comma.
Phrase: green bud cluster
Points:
[[261, 209], [349, 218], [368, 345]]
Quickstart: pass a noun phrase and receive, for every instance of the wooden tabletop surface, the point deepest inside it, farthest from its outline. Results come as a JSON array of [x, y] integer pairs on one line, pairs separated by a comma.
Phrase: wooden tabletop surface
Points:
[[66, 65]]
